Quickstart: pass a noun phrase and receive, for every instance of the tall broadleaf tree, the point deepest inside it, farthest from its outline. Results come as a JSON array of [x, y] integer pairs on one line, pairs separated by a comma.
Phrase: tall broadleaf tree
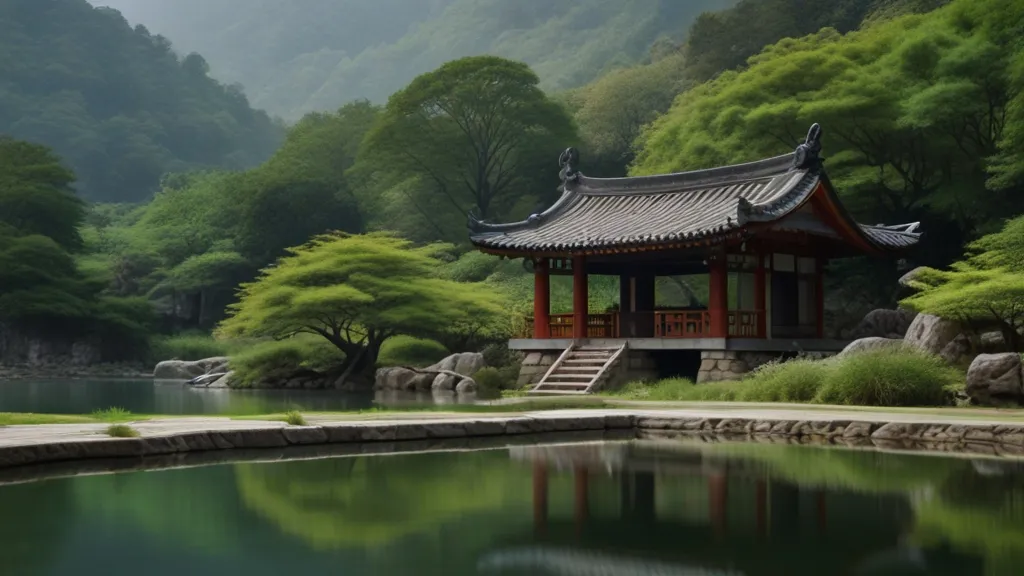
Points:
[[473, 135]]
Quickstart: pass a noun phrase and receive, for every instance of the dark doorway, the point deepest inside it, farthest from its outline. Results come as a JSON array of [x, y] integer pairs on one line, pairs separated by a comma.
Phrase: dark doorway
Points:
[[677, 363]]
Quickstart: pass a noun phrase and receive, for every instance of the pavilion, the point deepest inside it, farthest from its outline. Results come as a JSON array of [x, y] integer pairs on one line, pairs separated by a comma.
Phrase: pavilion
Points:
[[762, 232]]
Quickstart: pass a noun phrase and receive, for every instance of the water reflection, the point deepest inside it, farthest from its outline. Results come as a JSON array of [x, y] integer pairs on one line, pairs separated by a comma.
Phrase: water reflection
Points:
[[598, 508], [163, 397]]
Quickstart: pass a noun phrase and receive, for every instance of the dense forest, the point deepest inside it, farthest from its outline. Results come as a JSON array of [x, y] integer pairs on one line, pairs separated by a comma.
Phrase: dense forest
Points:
[[921, 103], [116, 103], [333, 51]]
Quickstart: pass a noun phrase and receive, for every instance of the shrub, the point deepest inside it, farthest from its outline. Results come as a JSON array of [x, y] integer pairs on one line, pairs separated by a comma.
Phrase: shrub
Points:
[[271, 359], [491, 381], [409, 351], [113, 414], [122, 431], [889, 377], [680, 390], [793, 381], [295, 418], [186, 347]]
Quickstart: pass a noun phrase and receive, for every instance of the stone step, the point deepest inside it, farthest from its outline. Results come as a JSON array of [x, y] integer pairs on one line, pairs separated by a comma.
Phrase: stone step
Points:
[[587, 377], [585, 361], [563, 386], [558, 392]]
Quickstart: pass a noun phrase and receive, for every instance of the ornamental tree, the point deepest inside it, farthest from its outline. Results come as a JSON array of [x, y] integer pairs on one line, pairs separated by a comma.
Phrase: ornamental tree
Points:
[[985, 289], [356, 291]]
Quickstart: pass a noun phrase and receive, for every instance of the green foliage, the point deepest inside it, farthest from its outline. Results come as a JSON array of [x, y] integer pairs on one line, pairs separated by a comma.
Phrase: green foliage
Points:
[[356, 292], [189, 347], [410, 351], [469, 136], [295, 418], [893, 377], [985, 289], [491, 381], [113, 414], [116, 102], [36, 196], [335, 51], [912, 110], [277, 359], [122, 431], [795, 381]]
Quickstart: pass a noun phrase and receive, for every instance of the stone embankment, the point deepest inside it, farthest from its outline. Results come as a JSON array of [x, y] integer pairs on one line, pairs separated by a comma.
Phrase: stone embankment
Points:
[[25, 445]]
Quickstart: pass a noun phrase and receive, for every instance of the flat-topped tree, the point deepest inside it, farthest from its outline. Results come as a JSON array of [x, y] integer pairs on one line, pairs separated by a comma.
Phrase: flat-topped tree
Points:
[[356, 291]]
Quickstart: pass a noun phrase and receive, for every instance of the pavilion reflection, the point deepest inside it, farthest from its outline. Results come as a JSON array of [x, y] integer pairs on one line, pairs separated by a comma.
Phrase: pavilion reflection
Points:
[[695, 512]]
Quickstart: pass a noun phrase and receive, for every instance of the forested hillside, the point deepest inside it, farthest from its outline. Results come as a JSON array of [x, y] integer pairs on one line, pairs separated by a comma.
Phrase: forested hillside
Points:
[[292, 61], [118, 106]]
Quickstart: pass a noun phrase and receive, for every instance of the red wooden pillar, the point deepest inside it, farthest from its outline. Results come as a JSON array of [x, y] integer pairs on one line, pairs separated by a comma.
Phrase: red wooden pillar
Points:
[[580, 304], [541, 299], [718, 297], [761, 298], [718, 496], [540, 498], [581, 489], [819, 297]]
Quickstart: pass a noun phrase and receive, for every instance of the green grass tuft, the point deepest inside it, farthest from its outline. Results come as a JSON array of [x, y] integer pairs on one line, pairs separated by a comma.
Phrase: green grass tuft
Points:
[[122, 431], [112, 414], [295, 418], [897, 377]]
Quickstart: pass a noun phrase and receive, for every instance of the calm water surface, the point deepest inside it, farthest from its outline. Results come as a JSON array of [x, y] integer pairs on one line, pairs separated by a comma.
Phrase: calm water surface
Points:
[[161, 397], [602, 509]]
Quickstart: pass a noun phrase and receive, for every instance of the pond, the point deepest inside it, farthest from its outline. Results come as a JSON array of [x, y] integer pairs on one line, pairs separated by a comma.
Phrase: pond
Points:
[[605, 508], [163, 397]]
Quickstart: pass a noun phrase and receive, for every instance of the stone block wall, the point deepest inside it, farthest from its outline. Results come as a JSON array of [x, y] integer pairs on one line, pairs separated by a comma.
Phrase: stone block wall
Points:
[[721, 365], [534, 366]]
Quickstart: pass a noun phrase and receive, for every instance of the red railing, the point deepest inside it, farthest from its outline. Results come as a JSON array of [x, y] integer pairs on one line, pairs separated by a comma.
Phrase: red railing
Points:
[[598, 325], [682, 324], [667, 324]]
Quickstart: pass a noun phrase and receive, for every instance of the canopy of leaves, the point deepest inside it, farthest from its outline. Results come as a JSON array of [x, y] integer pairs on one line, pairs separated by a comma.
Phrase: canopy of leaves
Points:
[[356, 291], [474, 135], [42, 289], [912, 108], [987, 288], [335, 51], [116, 103]]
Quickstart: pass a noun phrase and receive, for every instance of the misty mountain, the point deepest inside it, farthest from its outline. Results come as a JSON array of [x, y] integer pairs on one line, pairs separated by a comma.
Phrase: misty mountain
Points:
[[116, 103], [294, 57]]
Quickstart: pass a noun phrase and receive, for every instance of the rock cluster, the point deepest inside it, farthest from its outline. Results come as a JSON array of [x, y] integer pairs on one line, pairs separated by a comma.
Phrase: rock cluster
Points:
[[184, 370], [453, 374], [995, 379]]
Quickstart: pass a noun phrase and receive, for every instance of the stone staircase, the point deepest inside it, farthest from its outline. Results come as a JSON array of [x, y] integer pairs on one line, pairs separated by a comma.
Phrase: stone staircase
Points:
[[579, 370]]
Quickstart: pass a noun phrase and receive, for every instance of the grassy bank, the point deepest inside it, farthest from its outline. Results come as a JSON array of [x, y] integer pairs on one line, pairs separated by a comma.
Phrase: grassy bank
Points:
[[894, 377]]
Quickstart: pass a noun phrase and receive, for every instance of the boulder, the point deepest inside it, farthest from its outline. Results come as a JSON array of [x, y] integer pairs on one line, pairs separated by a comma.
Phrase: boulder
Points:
[[958, 349], [222, 382], [996, 378], [184, 370], [873, 343], [467, 386], [883, 323], [445, 376], [992, 343], [907, 278], [931, 333]]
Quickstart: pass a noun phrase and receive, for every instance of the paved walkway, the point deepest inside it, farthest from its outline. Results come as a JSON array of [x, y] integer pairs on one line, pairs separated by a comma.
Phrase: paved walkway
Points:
[[32, 435]]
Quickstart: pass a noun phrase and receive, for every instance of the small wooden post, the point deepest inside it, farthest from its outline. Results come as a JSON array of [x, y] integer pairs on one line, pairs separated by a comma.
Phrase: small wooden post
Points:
[[718, 297], [761, 298], [580, 303], [819, 297], [541, 299]]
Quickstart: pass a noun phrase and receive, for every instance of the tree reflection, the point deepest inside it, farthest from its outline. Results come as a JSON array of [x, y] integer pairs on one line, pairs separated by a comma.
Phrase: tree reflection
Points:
[[372, 501]]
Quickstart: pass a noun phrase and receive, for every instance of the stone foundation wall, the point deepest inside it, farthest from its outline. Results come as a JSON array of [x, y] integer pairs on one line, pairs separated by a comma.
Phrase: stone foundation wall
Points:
[[534, 366], [721, 365]]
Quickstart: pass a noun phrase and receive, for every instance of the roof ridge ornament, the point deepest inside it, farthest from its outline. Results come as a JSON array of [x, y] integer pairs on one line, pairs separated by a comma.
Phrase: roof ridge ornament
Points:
[[808, 154], [569, 160]]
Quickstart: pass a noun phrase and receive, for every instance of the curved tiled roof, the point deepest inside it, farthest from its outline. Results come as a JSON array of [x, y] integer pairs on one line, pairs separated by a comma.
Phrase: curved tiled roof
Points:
[[616, 213]]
